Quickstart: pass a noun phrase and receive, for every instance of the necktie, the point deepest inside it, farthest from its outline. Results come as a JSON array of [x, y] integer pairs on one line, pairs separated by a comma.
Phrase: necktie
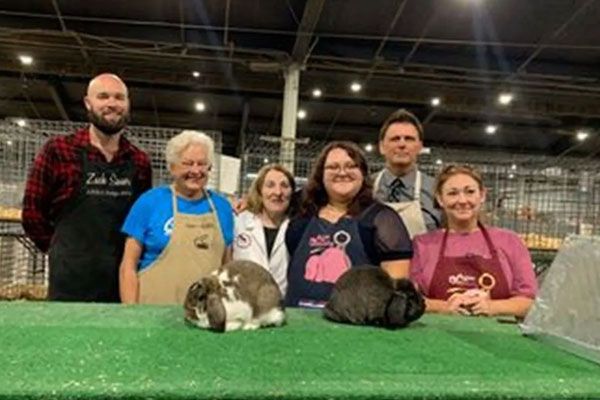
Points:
[[396, 192]]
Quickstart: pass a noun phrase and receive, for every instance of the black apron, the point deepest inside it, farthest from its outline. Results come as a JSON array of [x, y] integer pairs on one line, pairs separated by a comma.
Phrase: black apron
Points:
[[87, 244]]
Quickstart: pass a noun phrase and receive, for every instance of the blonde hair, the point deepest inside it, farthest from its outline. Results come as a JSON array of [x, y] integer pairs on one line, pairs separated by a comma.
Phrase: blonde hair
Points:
[[255, 203], [178, 143]]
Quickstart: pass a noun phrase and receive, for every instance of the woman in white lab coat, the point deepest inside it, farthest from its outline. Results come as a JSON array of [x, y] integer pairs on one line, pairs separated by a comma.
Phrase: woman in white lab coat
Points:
[[260, 230]]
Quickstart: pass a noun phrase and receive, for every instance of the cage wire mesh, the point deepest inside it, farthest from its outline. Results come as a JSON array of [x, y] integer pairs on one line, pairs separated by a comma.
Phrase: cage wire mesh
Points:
[[23, 268], [542, 198]]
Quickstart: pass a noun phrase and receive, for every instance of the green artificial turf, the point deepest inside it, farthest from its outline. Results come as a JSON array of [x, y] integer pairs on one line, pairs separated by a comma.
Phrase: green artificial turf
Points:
[[101, 351]]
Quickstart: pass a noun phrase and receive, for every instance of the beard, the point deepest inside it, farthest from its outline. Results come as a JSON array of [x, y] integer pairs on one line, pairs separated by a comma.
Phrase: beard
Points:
[[109, 128]]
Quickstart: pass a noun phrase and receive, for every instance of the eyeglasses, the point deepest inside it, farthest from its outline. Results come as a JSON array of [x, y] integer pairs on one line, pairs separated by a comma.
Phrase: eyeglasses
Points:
[[337, 168], [189, 164]]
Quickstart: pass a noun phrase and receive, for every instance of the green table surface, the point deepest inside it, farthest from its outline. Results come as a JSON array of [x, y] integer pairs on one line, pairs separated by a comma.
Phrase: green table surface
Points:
[[62, 350]]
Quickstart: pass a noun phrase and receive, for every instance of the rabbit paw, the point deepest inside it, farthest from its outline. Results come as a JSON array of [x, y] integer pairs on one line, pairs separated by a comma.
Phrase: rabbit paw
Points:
[[251, 325], [232, 326]]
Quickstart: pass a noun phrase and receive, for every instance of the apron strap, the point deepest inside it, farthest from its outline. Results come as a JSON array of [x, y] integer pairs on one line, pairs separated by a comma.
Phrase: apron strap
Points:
[[488, 240], [378, 180], [214, 211], [417, 194], [486, 236], [443, 246], [211, 205], [174, 200]]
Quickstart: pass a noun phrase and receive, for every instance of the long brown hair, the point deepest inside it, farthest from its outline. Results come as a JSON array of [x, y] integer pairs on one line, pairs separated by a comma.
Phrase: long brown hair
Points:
[[315, 196]]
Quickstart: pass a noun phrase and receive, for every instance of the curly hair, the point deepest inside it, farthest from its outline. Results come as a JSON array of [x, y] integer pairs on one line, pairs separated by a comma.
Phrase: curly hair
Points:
[[315, 196]]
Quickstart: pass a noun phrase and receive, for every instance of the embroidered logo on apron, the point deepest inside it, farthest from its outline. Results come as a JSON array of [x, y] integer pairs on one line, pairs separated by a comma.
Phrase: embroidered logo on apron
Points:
[[202, 242], [330, 260]]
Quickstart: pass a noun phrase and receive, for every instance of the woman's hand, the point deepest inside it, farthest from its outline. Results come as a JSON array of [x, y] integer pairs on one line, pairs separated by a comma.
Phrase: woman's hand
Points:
[[455, 304], [478, 302]]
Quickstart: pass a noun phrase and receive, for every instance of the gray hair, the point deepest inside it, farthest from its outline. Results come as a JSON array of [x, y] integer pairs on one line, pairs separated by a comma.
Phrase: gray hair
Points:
[[178, 143]]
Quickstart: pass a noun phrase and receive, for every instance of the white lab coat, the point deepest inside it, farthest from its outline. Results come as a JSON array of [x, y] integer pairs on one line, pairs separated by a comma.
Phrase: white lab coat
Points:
[[249, 244]]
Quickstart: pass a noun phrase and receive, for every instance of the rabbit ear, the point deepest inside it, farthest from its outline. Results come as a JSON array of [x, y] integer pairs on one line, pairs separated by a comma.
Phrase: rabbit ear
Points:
[[395, 310], [415, 306], [403, 284], [216, 312], [191, 300]]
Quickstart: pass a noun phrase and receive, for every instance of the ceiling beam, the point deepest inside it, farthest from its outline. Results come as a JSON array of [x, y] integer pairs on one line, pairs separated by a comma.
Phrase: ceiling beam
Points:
[[393, 94], [554, 35], [226, 27], [310, 18], [63, 27], [382, 43], [280, 32], [59, 96]]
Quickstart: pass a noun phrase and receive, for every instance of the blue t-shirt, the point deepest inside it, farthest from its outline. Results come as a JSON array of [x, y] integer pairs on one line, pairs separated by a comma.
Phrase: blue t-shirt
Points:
[[150, 220]]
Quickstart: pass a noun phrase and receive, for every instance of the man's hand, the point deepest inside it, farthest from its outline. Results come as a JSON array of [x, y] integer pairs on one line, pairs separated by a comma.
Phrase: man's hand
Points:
[[240, 205]]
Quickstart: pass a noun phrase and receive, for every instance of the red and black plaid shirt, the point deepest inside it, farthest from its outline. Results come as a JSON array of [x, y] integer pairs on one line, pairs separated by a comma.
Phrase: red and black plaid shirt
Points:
[[55, 178]]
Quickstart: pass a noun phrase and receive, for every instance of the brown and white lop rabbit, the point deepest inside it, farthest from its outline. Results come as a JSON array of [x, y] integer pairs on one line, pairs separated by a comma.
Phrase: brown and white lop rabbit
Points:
[[239, 295]]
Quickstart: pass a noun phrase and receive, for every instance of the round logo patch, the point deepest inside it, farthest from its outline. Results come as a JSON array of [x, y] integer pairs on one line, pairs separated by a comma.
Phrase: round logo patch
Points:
[[243, 241]]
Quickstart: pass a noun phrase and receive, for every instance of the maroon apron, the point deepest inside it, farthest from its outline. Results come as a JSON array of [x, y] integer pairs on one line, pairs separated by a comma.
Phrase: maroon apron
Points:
[[459, 274]]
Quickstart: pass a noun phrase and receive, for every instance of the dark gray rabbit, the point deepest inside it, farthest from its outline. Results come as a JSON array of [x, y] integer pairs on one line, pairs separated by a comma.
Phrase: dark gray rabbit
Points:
[[238, 295], [367, 295]]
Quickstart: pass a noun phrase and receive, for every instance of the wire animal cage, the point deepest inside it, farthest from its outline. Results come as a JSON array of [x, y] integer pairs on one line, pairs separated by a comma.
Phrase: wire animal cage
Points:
[[23, 268], [543, 199]]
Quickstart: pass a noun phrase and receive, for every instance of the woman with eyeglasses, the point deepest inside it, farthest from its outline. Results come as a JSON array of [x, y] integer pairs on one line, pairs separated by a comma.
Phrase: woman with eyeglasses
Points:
[[340, 226], [469, 268], [176, 233]]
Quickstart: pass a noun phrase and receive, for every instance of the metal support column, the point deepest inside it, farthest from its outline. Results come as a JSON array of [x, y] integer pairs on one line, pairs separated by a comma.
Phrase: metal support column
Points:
[[289, 117]]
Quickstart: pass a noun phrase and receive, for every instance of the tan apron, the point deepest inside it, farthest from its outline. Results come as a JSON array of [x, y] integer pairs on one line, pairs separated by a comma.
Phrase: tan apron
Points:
[[409, 211], [195, 249]]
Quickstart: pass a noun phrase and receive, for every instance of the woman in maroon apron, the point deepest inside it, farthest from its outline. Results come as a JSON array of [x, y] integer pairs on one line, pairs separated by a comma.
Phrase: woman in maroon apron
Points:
[[469, 268]]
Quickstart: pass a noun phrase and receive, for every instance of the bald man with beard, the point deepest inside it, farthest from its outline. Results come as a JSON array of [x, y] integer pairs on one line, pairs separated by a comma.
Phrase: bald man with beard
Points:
[[79, 190]]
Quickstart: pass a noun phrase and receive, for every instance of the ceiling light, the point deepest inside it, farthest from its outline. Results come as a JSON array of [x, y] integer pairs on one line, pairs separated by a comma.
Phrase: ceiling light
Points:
[[25, 59], [491, 129], [301, 114], [265, 161], [200, 106], [513, 167], [510, 176], [436, 101], [196, 74], [21, 122], [316, 93], [505, 98], [368, 147], [356, 87], [439, 161], [9, 142], [582, 135]]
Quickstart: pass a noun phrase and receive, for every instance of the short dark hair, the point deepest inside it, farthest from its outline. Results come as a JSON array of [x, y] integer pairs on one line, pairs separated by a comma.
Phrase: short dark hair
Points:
[[401, 116], [315, 196]]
